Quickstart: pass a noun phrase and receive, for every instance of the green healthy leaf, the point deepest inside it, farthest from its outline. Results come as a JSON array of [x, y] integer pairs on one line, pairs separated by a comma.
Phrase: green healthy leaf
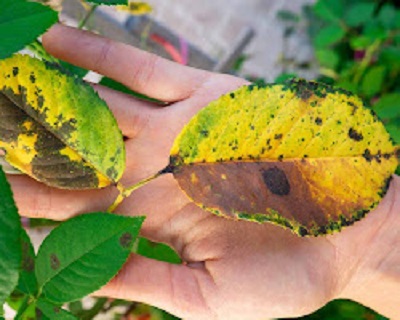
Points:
[[397, 19], [359, 13], [393, 127], [53, 311], [373, 80], [109, 2], [327, 58], [387, 16], [284, 153], [343, 310], [27, 279], [28, 311], [329, 10], [360, 42], [157, 251], [83, 254], [282, 78], [21, 22], [55, 127], [388, 106], [374, 31], [10, 245], [329, 36], [391, 56]]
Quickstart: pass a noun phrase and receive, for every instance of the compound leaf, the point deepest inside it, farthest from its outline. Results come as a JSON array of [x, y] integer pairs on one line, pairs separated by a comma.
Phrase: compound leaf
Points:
[[55, 128], [10, 246], [302, 155], [21, 22], [83, 254]]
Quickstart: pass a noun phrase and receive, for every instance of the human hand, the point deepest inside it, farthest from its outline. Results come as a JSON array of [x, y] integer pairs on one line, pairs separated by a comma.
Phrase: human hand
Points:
[[232, 270]]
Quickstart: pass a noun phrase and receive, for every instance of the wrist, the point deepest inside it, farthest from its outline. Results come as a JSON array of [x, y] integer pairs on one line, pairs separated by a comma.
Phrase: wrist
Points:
[[368, 257]]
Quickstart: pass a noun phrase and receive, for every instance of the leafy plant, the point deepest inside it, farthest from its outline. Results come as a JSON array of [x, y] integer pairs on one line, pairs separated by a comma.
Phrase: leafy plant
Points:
[[52, 136], [357, 47]]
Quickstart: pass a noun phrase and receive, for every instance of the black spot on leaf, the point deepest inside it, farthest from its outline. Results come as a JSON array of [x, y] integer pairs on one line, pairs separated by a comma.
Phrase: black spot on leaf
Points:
[[367, 155], [302, 232], [276, 181], [318, 121], [356, 136], [54, 261], [15, 71], [28, 264], [126, 240], [204, 133], [32, 77]]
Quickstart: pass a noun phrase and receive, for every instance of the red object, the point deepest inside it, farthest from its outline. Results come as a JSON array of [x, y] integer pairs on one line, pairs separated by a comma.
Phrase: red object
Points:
[[169, 48]]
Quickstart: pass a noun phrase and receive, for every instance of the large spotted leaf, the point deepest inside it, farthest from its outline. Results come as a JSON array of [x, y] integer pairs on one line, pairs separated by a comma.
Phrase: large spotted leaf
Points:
[[302, 155], [55, 128]]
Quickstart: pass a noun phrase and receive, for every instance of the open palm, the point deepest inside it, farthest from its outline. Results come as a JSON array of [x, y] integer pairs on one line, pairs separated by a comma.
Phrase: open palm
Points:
[[231, 270]]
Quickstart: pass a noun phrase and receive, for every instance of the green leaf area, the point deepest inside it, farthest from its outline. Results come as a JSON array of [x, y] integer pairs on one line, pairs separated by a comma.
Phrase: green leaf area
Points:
[[157, 251], [83, 254], [27, 283], [10, 247], [21, 22], [52, 311]]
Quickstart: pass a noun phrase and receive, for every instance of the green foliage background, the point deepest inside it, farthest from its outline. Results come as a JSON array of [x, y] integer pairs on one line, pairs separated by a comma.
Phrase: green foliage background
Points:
[[357, 47]]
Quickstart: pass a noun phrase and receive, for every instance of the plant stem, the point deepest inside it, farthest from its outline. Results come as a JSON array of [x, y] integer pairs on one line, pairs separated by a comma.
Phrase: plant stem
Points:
[[25, 304], [85, 19], [126, 192], [369, 54]]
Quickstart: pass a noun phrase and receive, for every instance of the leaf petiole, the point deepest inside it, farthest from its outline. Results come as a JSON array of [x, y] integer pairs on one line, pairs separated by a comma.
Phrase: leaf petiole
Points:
[[126, 192], [89, 13]]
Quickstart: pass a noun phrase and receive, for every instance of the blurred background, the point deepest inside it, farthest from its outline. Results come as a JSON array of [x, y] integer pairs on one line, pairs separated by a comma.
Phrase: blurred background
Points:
[[351, 44]]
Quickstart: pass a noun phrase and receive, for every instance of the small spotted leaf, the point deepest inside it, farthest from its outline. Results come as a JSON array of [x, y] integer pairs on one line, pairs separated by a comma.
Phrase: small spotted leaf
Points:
[[27, 280], [302, 155], [83, 254], [10, 245], [53, 311], [55, 128]]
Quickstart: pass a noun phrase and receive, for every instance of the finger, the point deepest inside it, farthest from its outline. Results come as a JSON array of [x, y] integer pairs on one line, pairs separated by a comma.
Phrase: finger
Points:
[[36, 200], [138, 70], [178, 289], [132, 115]]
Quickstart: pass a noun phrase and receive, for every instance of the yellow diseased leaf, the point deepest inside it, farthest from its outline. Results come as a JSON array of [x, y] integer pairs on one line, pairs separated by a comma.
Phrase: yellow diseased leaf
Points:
[[136, 8], [302, 155], [55, 128]]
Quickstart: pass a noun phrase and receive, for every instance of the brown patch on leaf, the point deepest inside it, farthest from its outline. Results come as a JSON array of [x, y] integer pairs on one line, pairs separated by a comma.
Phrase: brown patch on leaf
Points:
[[269, 185], [54, 261], [276, 181], [126, 240]]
